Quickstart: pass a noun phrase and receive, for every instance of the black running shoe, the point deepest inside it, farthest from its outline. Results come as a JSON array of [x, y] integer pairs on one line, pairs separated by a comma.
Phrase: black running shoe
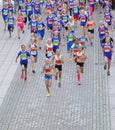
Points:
[[105, 67], [33, 71]]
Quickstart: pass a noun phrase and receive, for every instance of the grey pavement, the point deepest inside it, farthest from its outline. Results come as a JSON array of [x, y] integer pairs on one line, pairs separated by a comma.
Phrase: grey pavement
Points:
[[24, 105]]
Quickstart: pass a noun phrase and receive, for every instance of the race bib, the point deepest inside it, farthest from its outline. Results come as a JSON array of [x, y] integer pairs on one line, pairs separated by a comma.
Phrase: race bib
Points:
[[56, 42], [107, 48], [23, 56], [10, 21], [50, 21], [5, 12], [39, 27], [29, 8], [83, 19], [75, 10], [107, 18], [70, 38], [65, 19]]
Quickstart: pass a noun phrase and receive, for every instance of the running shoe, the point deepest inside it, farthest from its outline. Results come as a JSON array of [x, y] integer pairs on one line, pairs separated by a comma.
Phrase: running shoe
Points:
[[33, 71], [25, 78], [79, 83], [59, 84], [105, 67], [108, 73], [48, 94], [56, 77], [22, 76], [91, 43]]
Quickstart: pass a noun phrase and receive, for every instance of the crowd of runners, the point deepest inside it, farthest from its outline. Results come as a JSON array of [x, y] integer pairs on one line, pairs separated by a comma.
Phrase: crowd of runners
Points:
[[61, 19]]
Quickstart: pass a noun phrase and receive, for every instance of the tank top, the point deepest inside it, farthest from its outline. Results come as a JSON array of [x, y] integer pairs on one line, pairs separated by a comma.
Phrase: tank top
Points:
[[57, 59], [49, 50], [33, 49]]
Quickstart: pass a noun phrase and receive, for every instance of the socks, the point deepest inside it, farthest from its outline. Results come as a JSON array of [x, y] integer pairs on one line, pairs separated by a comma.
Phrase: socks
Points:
[[59, 80], [78, 77]]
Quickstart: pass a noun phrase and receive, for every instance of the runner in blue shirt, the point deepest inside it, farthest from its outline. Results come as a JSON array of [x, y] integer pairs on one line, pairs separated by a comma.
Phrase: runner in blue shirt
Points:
[[5, 12], [11, 22], [24, 55], [29, 9], [33, 24], [102, 29], [36, 7], [107, 53], [40, 30]]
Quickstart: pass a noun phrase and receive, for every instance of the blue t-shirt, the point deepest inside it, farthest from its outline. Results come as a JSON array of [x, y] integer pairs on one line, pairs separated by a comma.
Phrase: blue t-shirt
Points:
[[76, 10], [108, 18], [49, 20], [24, 12], [56, 40], [102, 30], [107, 49], [24, 57], [36, 7], [29, 8], [33, 25], [83, 19], [64, 18], [11, 21], [5, 11], [40, 26]]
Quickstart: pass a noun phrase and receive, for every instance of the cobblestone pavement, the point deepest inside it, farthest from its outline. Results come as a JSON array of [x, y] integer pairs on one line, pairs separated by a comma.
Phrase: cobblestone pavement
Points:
[[71, 107]]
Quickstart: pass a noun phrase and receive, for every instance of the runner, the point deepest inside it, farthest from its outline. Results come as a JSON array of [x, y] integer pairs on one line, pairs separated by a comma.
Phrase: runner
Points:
[[108, 19], [47, 70], [74, 49], [20, 23], [70, 38], [40, 30], [102, 29], [83, 21], [79, 59], [32, 25], [36, 7], [29, 8], [64, 18], [24, 13], [5, 12], [92, 6], [48, 49], [24, 54], [107, 53], [55, 41], [71, 24], [76, 12], [49, 21], [48, 6], [59, 60], [90, 26], [11, 22], [34, 53]]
